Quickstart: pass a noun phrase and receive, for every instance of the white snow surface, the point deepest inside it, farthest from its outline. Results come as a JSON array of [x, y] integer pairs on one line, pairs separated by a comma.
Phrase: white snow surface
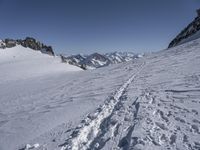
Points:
[[92, 128], [150, 103], [19, 63]]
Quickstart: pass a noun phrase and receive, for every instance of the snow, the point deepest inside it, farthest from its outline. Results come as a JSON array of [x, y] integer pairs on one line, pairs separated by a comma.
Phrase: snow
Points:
[[28, 146], [148, 103], [90, 131], [34, 104], [19, 63], [101, 63]]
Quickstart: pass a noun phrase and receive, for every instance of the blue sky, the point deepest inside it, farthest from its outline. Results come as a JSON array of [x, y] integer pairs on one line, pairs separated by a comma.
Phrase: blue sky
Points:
[[86, 26]]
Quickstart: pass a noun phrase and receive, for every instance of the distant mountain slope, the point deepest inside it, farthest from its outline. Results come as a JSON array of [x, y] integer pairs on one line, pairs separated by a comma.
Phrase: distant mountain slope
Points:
[[97, 60], [19, 62], [191, 32], [118, 57]]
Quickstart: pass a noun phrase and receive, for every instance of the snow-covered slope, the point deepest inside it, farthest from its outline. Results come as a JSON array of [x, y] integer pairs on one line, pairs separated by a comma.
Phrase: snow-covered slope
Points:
[[148, 103], [35, 105], [19, 63], [157, 107]]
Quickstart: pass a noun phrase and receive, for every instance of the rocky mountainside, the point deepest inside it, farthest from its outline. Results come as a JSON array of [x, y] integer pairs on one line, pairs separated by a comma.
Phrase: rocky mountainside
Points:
[[97, 60], [191, 32], [28, 42]]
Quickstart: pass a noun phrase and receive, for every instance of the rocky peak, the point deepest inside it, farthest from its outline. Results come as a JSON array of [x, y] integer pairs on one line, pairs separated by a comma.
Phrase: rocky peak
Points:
[[189, 33], [98, 56], [27, 42]]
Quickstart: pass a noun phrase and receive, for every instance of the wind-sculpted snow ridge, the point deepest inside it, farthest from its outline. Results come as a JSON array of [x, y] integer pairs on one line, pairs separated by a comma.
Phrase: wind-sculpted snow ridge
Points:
[[84, 137]]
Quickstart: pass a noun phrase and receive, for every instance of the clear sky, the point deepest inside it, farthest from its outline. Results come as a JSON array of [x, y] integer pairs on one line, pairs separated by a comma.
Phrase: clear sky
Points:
[[86, 26]]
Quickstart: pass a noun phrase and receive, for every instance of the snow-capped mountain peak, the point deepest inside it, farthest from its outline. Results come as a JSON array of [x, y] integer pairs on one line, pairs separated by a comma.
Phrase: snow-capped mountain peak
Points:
[[97, 60]]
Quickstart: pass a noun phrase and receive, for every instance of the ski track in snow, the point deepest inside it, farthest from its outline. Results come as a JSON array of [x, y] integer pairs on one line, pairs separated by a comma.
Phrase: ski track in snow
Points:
[[85, 136]]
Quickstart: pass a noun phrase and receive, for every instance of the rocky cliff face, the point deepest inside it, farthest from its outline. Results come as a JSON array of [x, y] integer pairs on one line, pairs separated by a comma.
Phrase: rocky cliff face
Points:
[[27, 42], [191, 32]]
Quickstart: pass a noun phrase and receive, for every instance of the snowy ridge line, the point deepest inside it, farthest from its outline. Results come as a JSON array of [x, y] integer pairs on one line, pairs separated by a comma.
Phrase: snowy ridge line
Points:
[[84, 136]]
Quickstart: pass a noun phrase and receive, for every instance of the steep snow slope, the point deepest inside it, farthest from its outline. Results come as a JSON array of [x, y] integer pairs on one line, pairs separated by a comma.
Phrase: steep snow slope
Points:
[[148, 103], [19, 63]]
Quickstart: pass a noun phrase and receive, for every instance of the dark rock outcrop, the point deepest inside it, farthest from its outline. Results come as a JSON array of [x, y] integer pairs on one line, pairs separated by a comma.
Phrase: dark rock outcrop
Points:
[[10, 43], [186, 34], [27, 42]]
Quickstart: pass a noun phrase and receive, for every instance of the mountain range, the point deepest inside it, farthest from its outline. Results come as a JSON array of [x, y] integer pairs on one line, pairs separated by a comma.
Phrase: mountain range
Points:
[[85, 62], [97, 60]]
